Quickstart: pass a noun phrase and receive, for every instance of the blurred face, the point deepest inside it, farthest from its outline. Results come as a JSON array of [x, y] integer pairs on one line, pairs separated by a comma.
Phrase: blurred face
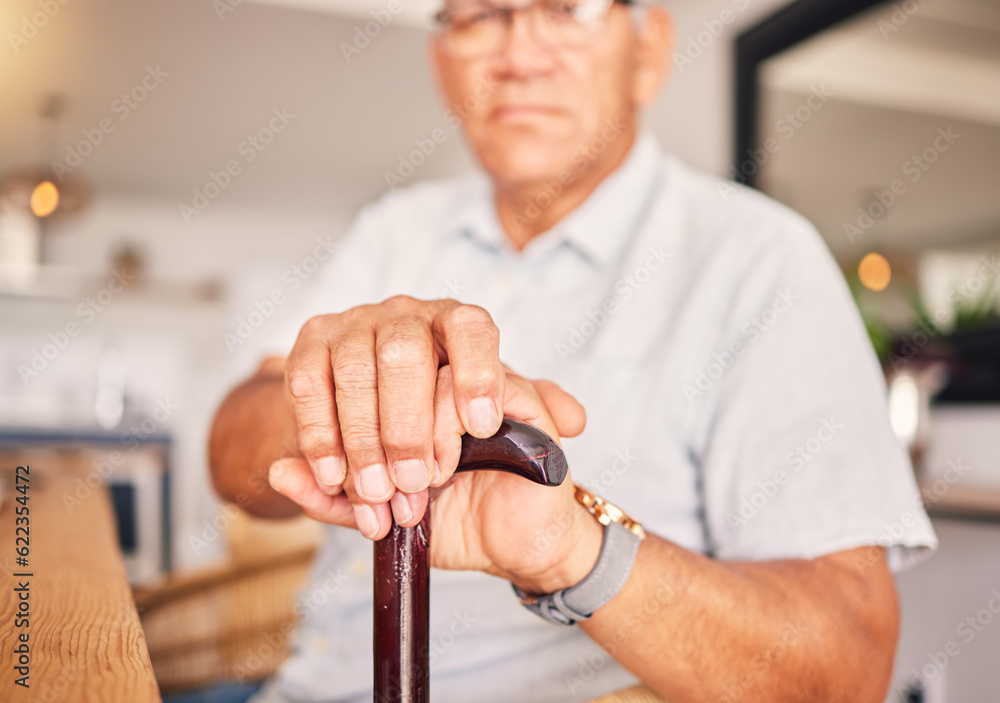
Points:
[[532, 108]]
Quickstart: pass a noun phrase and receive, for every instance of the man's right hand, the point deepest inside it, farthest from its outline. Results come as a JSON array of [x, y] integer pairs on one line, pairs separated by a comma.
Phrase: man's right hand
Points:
[[361, 388]]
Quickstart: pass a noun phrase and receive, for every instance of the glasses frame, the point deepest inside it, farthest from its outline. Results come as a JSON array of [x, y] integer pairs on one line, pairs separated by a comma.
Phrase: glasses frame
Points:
[[507, 12]]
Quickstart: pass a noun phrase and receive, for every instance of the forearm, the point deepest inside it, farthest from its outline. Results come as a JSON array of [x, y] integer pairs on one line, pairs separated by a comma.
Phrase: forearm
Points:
[[697, 629], [253, 427]]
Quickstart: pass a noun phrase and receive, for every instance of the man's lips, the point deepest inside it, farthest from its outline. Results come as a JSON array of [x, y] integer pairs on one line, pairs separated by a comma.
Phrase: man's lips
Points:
[[524, 111]]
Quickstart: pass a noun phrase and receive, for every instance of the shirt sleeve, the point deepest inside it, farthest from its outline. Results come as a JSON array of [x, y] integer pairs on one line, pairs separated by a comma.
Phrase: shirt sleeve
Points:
[[799, 458]]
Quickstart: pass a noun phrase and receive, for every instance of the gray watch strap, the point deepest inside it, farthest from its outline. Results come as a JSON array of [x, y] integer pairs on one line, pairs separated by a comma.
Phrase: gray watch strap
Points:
[[579, 602]]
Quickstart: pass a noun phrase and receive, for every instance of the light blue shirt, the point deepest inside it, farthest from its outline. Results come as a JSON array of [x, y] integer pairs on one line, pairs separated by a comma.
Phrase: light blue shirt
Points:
[[734, 404]]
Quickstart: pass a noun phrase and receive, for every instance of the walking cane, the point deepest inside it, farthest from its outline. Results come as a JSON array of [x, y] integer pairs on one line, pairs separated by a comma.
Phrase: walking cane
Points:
[[402, 571]]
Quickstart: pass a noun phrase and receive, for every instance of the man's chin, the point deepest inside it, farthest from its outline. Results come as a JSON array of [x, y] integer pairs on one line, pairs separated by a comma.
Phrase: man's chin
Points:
[[523, 162]]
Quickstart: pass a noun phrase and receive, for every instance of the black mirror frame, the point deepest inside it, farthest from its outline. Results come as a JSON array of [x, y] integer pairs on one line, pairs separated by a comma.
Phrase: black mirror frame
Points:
[[785, 28]]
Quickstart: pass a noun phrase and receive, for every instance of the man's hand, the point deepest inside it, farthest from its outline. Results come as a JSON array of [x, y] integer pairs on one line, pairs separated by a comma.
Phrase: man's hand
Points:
[[538, 537], [361, 388]]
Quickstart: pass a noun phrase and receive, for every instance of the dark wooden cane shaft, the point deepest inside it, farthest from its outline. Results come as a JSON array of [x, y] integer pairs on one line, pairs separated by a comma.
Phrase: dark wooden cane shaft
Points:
[[402, 571], [401, 614]]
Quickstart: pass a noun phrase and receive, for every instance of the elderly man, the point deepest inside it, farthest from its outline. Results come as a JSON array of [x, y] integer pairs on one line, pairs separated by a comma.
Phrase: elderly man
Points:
[[734, 406]]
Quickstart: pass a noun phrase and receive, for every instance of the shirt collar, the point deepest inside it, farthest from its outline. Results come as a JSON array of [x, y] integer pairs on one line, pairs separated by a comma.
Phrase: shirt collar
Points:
[[598, 229]]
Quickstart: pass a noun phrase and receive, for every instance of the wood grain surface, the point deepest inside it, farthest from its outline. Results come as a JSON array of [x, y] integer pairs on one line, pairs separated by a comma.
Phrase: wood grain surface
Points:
[[85, 637]]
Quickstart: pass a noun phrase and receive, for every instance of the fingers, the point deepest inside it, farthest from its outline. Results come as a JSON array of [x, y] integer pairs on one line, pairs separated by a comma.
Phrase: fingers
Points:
[[293, 478], [448, 429], [522, 402], [407, 374], [472, 344], [408, 508], [538, 403], [568, 415], [309, 384], [355, 381]]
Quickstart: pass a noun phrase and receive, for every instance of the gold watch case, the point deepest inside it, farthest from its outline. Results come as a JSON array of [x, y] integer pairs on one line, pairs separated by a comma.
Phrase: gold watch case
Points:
[[606, 512]]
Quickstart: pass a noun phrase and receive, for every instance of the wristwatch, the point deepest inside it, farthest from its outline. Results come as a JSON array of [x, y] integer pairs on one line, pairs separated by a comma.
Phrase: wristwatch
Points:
[[622, 535]]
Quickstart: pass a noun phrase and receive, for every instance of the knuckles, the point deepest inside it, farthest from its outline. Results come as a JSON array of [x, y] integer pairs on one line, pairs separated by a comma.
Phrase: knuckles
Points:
[[315, 439], [318, 326], [360, 436], [406, 433], [354, 372], [465, 315], [404, 347], [304, 384], [399, 302], [477, 380]]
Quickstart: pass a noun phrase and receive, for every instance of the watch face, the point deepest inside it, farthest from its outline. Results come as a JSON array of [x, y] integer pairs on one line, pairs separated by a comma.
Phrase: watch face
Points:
[[606, 512]]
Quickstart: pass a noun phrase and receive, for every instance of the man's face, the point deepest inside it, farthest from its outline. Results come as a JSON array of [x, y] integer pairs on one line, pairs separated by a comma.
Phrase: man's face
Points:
[[532, 110]]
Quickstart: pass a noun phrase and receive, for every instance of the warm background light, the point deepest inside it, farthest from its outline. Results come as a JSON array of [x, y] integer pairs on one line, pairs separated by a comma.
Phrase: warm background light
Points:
[[44, 199], [874, 272]]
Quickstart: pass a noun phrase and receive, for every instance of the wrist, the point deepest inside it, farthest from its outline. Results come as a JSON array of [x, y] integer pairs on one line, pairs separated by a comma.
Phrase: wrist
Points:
[[577, 552]]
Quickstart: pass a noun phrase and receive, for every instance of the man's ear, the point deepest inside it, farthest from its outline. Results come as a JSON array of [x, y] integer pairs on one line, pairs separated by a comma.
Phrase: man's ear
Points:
[[654, 45]]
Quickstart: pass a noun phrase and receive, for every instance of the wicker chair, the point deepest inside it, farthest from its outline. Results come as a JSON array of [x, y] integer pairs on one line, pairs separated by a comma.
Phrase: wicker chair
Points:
[[232, 621]]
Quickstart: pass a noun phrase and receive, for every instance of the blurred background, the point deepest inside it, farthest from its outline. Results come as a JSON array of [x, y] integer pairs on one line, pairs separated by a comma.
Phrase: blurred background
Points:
[[165, 165]]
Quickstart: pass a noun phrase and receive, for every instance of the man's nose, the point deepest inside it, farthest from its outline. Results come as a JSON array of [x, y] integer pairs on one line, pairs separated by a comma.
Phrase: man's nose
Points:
[[523, 51]]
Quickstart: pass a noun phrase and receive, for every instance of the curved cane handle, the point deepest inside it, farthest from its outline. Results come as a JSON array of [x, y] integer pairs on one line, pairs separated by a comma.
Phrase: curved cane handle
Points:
[[516, 448]]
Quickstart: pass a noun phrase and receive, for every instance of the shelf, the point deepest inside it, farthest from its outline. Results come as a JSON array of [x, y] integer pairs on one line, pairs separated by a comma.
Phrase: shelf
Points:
[[960, 503], [62, 283]]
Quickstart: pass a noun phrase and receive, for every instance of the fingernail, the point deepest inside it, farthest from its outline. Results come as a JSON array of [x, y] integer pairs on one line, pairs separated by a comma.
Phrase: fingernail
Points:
[[437, 473], [482, 416], [411, 475], [331, 470], [374, 482], [401, 508], [364, 515]]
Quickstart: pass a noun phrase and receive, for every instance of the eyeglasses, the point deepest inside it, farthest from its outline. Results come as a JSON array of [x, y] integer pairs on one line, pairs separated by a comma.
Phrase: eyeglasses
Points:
[[476, 28]]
